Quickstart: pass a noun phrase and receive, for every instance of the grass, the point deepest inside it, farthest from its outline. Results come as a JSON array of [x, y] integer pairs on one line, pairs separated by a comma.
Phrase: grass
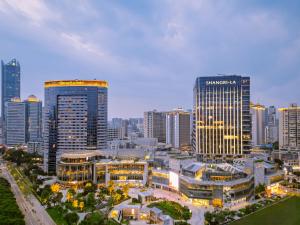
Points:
[[57, 215], [10, 213], [285, 212], [173, 209]]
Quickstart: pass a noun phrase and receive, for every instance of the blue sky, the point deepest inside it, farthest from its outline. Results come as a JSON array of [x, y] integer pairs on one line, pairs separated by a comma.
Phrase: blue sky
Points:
[[151, 52]]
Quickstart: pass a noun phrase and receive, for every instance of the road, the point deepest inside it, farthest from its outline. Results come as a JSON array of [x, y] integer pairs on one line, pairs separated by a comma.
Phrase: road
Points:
[[34, 212]]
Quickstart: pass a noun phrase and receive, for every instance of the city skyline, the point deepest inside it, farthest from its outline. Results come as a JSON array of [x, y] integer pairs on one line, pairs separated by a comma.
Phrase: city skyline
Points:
[[150, 51]]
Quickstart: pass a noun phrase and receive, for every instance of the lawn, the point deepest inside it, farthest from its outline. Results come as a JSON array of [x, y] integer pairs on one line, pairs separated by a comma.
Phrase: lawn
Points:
[[10, 213], [173, 209], [57, 215], [286, 212]]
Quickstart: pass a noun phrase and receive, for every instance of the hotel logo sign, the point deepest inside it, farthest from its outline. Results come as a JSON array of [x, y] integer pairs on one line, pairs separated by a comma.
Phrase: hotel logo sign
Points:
[[220, 82]]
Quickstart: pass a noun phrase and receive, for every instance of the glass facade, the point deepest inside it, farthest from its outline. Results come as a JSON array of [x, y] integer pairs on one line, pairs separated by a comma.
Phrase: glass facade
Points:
[[23, 121], [222, 122], [15, 123], [75, 118], [10, 86]]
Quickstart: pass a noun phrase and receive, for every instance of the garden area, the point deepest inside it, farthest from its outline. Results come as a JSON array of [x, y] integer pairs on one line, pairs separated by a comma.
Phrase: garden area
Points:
[[173, 209], [84, 206], [10, 213]]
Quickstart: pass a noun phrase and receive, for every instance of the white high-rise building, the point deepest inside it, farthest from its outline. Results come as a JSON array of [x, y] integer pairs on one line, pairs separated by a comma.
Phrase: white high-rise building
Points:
[[178, 130], [289, 127], [155, 125], [258, 124]]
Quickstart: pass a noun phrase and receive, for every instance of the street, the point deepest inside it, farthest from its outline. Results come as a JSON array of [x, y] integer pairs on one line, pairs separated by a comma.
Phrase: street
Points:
[[34, 212]]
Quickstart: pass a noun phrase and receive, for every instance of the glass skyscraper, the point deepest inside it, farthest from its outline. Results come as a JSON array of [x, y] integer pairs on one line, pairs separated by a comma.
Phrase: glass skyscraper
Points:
[[222, 122], [23, 121], [75, 118], [10, 86], [10, 81]]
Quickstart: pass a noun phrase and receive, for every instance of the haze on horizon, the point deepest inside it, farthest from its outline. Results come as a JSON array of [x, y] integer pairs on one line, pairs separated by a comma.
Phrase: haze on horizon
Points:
[[151, 52]]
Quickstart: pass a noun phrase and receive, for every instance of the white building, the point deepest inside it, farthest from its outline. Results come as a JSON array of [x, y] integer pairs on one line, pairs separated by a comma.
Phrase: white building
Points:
[[178, 132], [289, 127], [258, 124]]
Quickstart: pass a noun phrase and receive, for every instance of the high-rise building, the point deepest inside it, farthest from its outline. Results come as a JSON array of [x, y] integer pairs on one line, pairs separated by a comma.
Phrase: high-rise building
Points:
[[272, 127], [155, 125], [222, 121], [289, 127], [23, 121], [75, 118], [10, 81], [258, 124], [10, 87], [34, 118], [15, 122], [178, 130]]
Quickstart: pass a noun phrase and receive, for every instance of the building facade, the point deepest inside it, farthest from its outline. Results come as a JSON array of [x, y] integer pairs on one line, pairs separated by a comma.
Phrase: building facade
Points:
[[272, 126], [75, 118], [178, 131], [34, 118], [15, 122], [76, 168], [23, 121], [222, 117], [258, 124], [155, 125], [289, 127], [10, 87]]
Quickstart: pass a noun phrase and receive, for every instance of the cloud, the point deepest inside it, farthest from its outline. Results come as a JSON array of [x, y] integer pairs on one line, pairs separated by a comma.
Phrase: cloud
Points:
[[36, 11], [151, 52]]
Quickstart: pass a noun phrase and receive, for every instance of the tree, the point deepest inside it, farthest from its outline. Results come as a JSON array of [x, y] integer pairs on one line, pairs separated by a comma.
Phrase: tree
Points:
[[261, 188], [125, 190], [89, 187], [75, 203], [55, 188], [117, 197], [45, 195], [71, 218], [81, 205], [91, 201], [57, 198], [111, 187], [95, 218]]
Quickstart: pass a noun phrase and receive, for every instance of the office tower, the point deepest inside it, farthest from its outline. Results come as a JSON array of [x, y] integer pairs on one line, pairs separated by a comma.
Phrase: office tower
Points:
[[155, 125], [23, 121], [114, 133], [178, 131], [120, 126], [258, 124], [10, 87], [222, 117], [34, 118], [15, 122], [75, 118], [289, 127], [272, 127]]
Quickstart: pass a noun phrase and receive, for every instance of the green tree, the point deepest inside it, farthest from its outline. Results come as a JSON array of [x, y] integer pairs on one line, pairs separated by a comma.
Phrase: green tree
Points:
[[91, 201], [95, 218], [71, 218]]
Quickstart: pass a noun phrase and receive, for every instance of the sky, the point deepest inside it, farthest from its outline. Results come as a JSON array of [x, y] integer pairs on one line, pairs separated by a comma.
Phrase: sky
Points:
[[151, 51]]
